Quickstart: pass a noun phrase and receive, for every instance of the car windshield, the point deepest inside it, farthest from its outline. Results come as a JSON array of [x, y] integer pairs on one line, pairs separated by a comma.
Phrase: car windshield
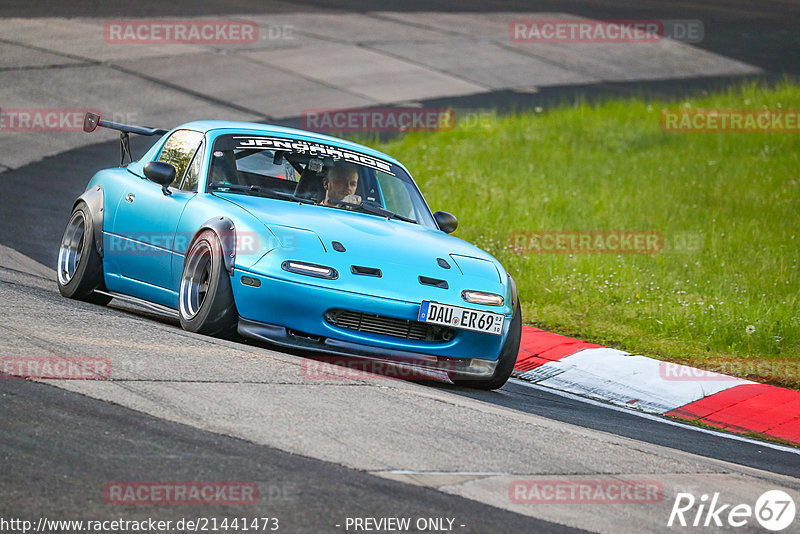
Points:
[[315, 173]]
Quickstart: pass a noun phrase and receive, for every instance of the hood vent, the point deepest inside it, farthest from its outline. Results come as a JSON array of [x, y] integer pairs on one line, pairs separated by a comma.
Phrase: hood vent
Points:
[[365, 271], [435, 282]]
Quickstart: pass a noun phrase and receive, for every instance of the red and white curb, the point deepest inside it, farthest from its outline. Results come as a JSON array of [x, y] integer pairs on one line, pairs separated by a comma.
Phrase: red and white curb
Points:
[[653, 386]]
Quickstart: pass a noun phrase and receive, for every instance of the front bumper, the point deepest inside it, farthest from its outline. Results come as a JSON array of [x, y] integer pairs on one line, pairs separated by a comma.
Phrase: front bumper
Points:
[[292, 313], [286, 337]]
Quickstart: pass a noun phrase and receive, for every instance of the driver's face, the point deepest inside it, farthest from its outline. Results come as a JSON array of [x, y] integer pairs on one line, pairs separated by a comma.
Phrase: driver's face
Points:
[[341, 184]]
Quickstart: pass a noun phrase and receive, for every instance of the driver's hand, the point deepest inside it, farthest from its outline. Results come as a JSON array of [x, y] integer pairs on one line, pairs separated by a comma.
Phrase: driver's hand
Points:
[[352, 199]]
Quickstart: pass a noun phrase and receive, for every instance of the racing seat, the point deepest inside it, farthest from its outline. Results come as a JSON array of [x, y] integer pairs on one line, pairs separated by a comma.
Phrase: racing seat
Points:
[[223, 169], [310, 186]]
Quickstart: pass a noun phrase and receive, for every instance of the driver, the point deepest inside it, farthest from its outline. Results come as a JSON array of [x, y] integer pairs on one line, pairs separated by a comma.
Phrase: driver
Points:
[[340, 184]]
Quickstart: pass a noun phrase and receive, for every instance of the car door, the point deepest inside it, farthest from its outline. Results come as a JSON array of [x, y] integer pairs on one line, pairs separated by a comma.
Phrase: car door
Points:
[[142, 238]]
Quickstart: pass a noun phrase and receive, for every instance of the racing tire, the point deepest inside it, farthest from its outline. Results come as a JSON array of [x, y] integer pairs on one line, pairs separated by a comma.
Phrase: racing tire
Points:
[[206, 303], [506, 361], [80, 267]]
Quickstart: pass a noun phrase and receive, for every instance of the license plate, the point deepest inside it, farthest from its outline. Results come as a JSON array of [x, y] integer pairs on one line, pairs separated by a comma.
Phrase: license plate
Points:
[[458, 317]]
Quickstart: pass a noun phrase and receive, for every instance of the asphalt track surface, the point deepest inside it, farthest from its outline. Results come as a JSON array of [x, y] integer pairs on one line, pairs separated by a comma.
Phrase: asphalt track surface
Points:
[[62, 446], [762, 33], [53, 469]]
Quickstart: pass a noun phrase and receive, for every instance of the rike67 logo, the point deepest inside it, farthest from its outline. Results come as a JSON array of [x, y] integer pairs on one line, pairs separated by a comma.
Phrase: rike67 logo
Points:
[[774, 510]]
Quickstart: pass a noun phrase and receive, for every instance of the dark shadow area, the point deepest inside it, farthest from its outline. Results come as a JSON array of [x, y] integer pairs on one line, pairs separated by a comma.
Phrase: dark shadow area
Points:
[[61, 449], [507, 101], [510, 101], [37, 199]]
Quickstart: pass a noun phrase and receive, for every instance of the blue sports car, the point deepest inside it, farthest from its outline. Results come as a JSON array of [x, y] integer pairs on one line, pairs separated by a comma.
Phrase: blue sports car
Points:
[[299, 239]]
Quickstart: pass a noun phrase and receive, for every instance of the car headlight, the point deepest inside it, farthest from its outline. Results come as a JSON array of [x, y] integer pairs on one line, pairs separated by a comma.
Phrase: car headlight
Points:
[[310, 269], [480, 297]]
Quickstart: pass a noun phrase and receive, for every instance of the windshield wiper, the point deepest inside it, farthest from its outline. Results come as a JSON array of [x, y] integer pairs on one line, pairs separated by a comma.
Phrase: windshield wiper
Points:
[[258, 189], [374, 209], [290, 196], [234, 187]]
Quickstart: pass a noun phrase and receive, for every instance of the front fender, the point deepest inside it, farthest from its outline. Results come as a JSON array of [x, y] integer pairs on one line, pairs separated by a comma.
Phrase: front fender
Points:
[[226, 233], [512, 286]]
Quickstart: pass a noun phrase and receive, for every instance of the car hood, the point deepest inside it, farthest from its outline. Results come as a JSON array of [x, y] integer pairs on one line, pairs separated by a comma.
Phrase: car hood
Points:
[[402, 251]]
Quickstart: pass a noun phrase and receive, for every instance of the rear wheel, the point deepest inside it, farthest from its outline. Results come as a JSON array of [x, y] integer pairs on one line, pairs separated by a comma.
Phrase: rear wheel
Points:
[[506, 361], [80, 267], [206, 296]]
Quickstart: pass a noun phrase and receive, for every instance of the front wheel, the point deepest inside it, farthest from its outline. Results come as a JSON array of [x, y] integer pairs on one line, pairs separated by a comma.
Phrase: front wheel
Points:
[[80, 267], [506, 361], [206, 296]]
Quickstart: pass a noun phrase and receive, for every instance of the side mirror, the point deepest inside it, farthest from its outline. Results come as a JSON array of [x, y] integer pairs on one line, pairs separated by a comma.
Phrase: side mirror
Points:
[[161, 173], [447, 221]]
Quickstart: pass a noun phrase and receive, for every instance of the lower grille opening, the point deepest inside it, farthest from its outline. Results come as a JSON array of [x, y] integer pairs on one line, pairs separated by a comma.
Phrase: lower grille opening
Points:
[[309, 337], [389, 326]]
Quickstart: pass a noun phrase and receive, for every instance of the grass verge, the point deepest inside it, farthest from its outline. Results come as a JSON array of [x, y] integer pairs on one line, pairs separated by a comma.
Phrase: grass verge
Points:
[[721, 294]]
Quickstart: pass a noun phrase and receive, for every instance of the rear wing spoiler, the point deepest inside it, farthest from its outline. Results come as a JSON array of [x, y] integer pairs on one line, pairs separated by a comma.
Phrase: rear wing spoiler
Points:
[[92, 120]]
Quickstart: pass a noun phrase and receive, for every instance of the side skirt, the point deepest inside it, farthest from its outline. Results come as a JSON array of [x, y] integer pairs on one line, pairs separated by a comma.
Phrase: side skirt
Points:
[[136, 301]]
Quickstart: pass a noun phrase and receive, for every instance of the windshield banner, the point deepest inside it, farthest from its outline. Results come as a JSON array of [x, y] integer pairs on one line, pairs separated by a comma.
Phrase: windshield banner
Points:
[[312, 149]]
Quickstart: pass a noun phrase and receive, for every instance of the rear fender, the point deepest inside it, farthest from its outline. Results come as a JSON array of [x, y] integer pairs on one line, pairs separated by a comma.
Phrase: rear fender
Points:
[[94, 198]]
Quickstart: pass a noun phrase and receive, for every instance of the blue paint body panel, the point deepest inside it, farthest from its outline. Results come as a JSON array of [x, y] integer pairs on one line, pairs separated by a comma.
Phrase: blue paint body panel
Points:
[[145, 240]]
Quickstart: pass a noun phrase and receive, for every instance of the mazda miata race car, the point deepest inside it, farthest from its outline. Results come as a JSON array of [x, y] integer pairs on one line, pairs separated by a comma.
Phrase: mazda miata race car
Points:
[[295, 238]]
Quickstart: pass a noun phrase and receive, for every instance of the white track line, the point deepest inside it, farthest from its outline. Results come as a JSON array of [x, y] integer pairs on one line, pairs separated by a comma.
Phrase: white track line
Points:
[[658, 418], [463, 473]]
